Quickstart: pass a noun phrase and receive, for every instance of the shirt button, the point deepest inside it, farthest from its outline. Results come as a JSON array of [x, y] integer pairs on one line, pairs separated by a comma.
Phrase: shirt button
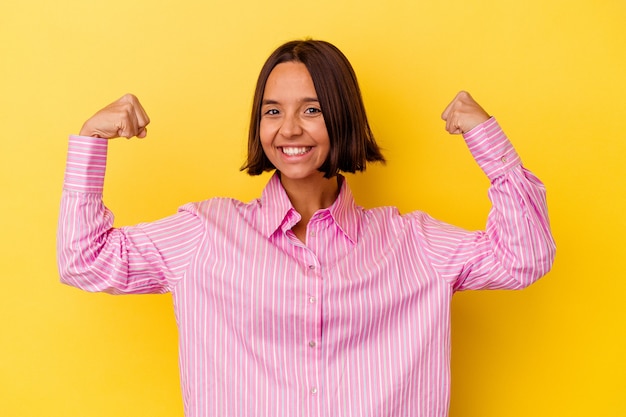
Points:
[[313, 391], [312, 300], [311, 267], [504, 159], [312, 343], [312, 234]]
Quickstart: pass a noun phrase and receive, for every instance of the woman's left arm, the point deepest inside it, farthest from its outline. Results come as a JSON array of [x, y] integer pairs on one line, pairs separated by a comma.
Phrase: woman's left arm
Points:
[[517, 247]]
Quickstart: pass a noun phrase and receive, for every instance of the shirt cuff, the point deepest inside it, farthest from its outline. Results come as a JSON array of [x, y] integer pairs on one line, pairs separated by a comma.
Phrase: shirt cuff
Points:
[[491, 149], [86, 164]]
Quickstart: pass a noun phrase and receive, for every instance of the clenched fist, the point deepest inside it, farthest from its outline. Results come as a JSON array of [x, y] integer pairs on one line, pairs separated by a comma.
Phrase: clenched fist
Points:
[[124, 117], [463, 114]]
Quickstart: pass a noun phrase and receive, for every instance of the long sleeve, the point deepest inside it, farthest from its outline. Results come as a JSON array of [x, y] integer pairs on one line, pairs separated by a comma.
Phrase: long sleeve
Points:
[[94, 256], [517, 246]]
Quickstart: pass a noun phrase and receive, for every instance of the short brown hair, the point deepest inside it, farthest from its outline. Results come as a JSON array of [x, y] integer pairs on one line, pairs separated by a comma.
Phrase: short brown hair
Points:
[[352, 143]]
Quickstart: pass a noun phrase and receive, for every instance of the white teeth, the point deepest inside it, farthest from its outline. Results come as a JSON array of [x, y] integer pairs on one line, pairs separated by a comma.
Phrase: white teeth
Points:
[[293, 151]]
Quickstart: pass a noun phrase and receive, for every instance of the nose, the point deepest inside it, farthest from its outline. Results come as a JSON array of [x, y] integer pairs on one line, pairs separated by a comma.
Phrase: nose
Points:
[[291, 126]]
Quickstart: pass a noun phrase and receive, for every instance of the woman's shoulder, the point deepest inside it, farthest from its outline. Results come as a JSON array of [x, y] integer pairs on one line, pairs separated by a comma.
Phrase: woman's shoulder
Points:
[[393, 213], [219, 206], [392, 216]]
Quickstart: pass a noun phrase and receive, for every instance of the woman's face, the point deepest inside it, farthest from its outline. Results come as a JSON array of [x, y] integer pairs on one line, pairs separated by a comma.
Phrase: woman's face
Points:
[[292, 129]]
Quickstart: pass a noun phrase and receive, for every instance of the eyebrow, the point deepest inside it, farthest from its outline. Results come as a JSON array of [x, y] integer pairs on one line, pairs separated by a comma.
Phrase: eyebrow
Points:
[[304, 100]]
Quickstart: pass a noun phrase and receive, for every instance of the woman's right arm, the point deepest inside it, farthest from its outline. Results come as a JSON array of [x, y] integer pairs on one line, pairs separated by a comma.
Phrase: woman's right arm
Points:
[[92, 254]]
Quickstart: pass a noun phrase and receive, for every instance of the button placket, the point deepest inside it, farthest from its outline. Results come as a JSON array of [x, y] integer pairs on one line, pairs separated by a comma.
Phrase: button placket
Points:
[[314, 325], [312, 334]]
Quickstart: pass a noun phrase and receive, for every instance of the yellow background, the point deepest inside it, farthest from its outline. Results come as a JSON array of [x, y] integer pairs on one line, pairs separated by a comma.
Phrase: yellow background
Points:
[[553, 72]]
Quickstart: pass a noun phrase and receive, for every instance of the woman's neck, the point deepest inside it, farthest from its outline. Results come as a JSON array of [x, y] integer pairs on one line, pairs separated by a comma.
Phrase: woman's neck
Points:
[[310, 195]]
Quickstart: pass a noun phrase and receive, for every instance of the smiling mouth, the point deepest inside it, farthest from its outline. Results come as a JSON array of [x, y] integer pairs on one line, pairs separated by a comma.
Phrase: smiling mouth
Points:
[[295, 151]]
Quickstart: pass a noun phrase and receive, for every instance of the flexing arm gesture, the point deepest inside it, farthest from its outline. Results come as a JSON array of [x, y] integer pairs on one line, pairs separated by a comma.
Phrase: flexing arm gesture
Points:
[[124, 117]]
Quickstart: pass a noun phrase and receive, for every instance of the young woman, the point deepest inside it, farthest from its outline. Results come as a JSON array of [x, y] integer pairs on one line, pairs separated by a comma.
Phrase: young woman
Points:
[[302, 303]]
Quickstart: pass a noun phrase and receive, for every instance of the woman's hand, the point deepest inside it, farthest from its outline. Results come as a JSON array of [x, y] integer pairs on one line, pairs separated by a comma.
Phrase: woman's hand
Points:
[[124, 117], [463, 114]]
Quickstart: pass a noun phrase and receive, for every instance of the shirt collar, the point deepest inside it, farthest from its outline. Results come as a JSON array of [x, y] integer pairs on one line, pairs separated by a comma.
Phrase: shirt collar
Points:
[[278, 212]]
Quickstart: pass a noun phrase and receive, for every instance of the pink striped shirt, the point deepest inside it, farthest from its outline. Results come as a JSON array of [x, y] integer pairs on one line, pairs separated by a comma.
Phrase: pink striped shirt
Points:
[[356, 322]]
